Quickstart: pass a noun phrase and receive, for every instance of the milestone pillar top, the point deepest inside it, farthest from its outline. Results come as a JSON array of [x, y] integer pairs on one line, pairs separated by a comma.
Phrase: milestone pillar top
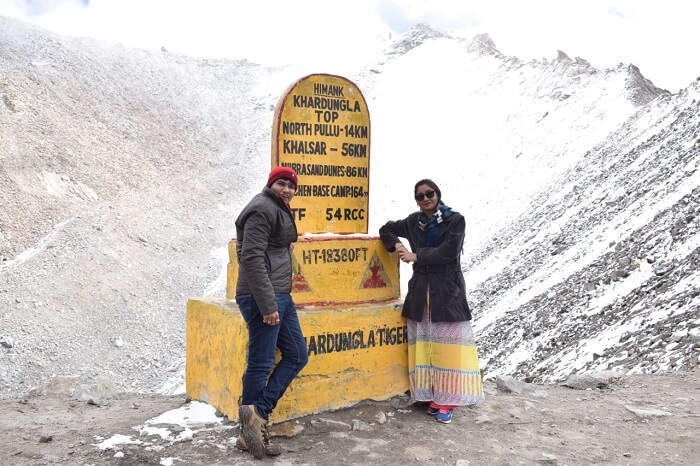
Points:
[[321, 128]]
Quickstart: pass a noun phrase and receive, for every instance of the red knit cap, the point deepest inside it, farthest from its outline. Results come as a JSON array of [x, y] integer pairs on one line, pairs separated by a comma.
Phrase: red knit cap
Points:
[[282, 172]]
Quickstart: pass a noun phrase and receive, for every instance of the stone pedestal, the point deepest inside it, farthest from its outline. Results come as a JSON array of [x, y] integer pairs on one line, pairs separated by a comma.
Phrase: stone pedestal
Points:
[[355, 353]]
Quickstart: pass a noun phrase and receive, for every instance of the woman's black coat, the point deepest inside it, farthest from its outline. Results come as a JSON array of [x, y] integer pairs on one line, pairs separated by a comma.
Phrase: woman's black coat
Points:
[[436, 268]]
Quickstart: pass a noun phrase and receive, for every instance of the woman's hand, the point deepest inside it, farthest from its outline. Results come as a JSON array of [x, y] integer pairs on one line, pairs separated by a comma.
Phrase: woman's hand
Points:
[[407, 256], [272, 319], [404, 254]]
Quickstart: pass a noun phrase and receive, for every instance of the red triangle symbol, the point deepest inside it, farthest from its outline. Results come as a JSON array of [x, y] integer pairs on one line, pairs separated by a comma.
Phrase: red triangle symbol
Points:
[[375, 275], [299, 283]]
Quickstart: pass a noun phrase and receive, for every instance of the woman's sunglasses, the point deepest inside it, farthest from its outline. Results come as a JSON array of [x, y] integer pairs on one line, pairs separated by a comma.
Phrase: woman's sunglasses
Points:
[[429, 194]]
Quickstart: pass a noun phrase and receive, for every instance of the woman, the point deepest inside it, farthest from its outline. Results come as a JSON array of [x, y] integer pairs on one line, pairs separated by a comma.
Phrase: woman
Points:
[[442, 358], [265, 231]]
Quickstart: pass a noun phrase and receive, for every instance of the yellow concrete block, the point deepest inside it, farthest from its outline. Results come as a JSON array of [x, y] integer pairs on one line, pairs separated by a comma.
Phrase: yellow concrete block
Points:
[[355, 353], [336, 271]]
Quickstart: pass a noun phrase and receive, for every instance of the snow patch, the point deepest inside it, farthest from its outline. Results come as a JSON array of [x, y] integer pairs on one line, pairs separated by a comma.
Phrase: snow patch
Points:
[[40, 246], [192, 414], [117, 439]]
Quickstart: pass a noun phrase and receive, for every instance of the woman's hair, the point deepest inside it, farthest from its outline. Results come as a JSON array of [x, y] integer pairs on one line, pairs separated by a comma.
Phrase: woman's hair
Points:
[[430, 183]]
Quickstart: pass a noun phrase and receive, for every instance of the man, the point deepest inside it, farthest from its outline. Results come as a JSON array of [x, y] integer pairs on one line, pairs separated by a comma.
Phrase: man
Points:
[[265, 231]]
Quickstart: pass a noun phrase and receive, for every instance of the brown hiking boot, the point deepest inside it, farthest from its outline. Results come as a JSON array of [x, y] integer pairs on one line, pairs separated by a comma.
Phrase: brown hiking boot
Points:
[[252, 427], [270, 448]]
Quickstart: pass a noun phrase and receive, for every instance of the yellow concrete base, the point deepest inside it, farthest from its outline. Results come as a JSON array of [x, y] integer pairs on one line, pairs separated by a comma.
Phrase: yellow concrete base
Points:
[[355, 353]]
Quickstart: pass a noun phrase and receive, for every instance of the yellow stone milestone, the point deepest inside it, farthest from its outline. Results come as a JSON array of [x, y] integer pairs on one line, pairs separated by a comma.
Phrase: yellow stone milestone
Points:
[[355, 353], [345, 286], [321, 129]]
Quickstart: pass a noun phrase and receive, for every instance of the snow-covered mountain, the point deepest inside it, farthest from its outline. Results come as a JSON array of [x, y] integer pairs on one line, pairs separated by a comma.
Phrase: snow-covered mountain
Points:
[[602, 271], [122, 171]]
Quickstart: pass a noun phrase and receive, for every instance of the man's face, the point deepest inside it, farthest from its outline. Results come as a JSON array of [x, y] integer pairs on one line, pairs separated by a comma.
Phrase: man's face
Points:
[[284, 189]]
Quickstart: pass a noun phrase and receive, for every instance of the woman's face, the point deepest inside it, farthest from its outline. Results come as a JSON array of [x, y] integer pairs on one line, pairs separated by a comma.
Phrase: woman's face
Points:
[[284, 189], [426, 198]]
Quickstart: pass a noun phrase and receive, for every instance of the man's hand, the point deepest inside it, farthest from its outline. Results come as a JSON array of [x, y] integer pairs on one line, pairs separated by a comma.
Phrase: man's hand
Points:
[[400, 247], [272, 318]]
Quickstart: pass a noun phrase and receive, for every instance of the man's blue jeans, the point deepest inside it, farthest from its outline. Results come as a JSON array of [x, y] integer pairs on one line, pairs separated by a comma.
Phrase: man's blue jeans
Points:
[[263, 340]]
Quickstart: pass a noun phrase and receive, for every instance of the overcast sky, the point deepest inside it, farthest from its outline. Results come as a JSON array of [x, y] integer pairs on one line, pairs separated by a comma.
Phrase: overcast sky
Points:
[[661, 37]]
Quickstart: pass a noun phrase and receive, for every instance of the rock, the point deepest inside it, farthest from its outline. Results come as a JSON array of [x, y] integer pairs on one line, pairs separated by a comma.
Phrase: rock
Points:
[[286, 429], [118, 342], [325, 425], [380, 417], [95, 391], [586, 381], [508, 384], [679, 335], [400, 402], [482, 419], [589, 286], [58, 385], [361, 426], [419, 453], [547, 459], [489, 387], [45, 438], [174, 428], [646, 413], [7, 341], [119, 454]]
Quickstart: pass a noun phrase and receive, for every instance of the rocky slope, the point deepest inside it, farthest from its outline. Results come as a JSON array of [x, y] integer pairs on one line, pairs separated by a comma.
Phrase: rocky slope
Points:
[[122, 170], [603, 272], [117, 166]]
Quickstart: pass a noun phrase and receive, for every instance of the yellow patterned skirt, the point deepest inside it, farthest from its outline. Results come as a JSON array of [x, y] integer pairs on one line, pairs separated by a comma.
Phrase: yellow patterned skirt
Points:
[[443, 363]]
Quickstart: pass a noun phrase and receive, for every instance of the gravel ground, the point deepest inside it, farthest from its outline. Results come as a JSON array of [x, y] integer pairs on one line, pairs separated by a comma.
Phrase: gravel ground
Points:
[[642, 419]]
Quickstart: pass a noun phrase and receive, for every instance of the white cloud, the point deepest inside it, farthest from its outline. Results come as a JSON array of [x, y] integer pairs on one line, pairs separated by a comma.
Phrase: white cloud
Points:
[[659, 37]]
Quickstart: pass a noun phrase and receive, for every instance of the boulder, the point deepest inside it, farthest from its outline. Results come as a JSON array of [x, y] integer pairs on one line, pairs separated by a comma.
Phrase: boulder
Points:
[[7, 341], [325, 425], [646, 413], [95, 390], [286, 429], [508, 384], [360, 426], [402, 401], [58, 385], [586, 381]]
